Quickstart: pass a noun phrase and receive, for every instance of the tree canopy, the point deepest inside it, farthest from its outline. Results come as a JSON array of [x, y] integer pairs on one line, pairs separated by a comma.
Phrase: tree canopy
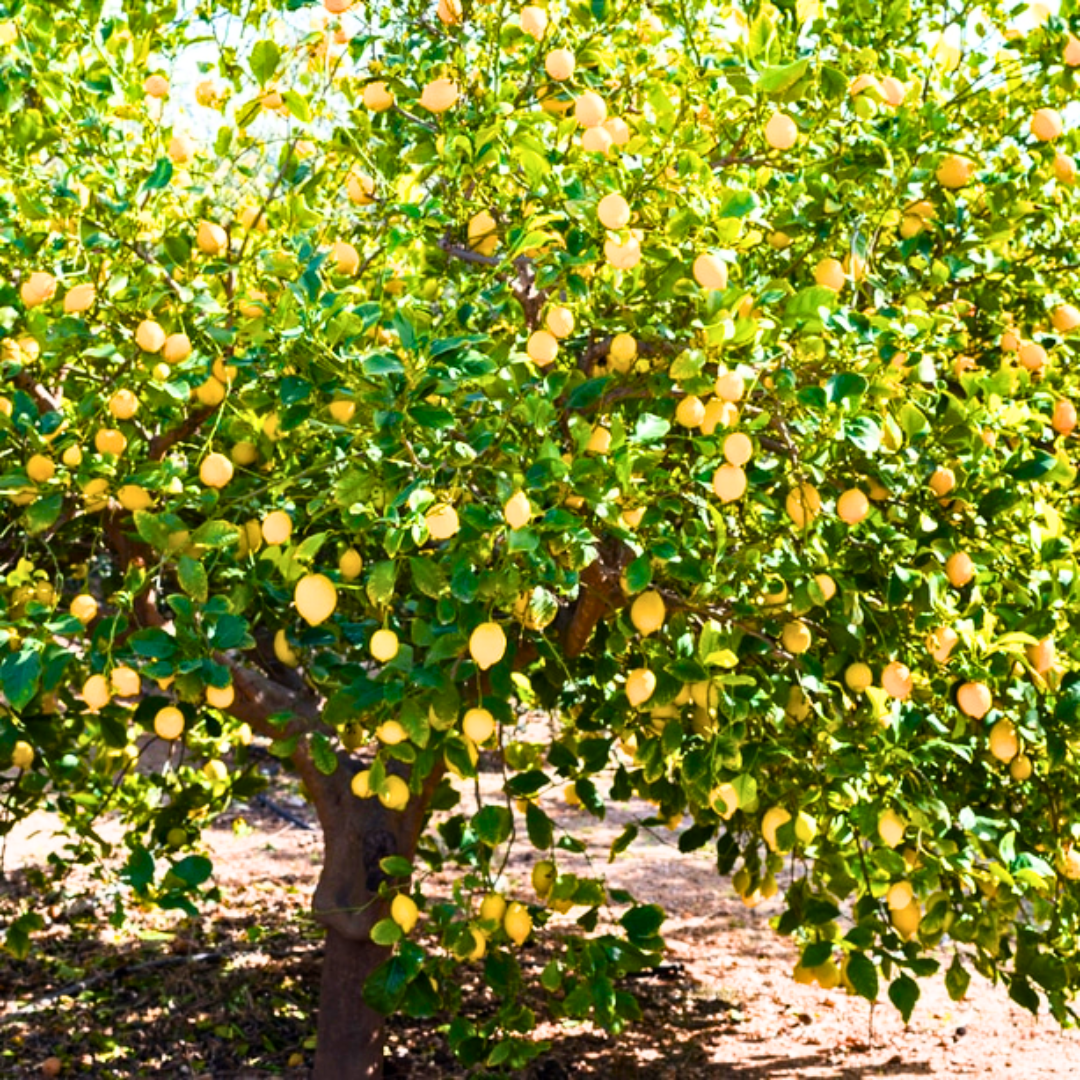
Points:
[[702, 375]]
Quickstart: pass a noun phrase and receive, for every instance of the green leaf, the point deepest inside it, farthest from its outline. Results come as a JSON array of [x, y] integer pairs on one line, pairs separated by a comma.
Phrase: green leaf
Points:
[[152, 529], [19, 676], [383, 364], [385, 987], [776, 80], [650, 428], [904, 994], [493, 825], [957, 979], [381, 580], [160, 176], [396, 866], [643, 921], [17, 939], [429, 577], [862, 974], [43, 513], [539, 826], [863, 432], [322, 753], [1024, 994], [386, 932], [639, 573], [297, 105], [192, 576], [623, 841], [264, 60], [193, 870], [216, 534], [846, 384]]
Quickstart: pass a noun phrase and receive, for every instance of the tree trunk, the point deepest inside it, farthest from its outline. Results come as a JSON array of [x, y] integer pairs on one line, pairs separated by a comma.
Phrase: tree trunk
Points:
[[350, 1037]]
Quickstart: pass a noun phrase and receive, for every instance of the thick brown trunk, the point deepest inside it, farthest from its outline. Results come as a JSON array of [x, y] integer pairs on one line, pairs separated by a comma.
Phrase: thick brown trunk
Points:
[[350, 1036]]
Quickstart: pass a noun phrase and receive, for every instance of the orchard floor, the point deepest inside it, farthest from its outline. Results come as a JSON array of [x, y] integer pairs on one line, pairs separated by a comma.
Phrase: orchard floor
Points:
[[232, 993]]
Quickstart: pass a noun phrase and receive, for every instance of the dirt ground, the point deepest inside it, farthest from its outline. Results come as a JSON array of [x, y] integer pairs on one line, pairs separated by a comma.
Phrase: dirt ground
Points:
[[232, 993]]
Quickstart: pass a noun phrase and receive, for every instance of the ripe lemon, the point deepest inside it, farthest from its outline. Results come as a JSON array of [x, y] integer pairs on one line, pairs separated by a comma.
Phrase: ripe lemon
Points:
[[858, 677], [942, 481], [596, 140], [1046, 124], [220, 697], [404, 912], [796, 637], [852, 507], [168, 723], [487, 645], [618, 129], [483, 233], [391, 733], [613, 211], [959, 569], [893, 91], [827, 586], [623, 254], [632, 518], [378, 97], [1004, 741], [533, 21], [1065, 317], [899, 895], [710, 272], [182, 149], [599, 440], [1041, 655], [277, 527], [781, 132], [176, 349], [345, 258], [725, 800], [517, 510], [955, 172], [439, 95], [96, 692], [560, 64], [729, 483], [493, 907], [350, 564], [1064, 169], [560, 321], [730, 386], [315, 597], [84, 607], [891, 828], [774, 818], [384, 645], [1021, 767], [110, 441], [648, 612], [22, 755], [125, 681], [211, 392], [216, 470], [478, 724], [542, 347], [690, 412], [40, 469], [896, 680], [590, 109], [79, 299], [134, 497], [622, 351], [738, 448], [1032, 355], [1065, 418], [803, 504], [442, 522], [39, 288], [830, 274], [211, 238], [718, 413], [284, 651], [941, 642], [517, 922], [640, 685], [395, 795], [156, 86], [907, 919]]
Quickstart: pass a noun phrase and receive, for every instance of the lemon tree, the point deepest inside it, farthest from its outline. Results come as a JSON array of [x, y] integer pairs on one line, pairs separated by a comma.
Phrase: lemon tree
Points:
[[703, 375]]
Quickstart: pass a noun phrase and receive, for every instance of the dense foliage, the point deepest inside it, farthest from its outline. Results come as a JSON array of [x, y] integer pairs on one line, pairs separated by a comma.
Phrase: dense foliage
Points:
[[700, 374]]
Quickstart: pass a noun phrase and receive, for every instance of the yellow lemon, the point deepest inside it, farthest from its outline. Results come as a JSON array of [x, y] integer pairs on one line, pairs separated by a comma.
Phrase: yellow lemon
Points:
[[517, 922], [517, 510], [384, 645], [710, 272], [350, 564], [315, 597], [774, 818], [478, 724], [891, 828], [96, 692], [395, 795], [22, 755], [84, 607], [442, 522], [487, 645], [640, 685], [648, 612], [276, 527], [216, 470], [404, 912], [220, 697], [169, 723]]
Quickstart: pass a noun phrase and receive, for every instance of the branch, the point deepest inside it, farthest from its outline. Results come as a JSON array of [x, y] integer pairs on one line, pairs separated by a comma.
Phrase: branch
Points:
[[467, 254], [46, 401], [161, 444]]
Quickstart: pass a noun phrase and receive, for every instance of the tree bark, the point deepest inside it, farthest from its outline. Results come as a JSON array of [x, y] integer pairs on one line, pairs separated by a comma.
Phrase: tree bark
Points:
[[351, 1035]]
